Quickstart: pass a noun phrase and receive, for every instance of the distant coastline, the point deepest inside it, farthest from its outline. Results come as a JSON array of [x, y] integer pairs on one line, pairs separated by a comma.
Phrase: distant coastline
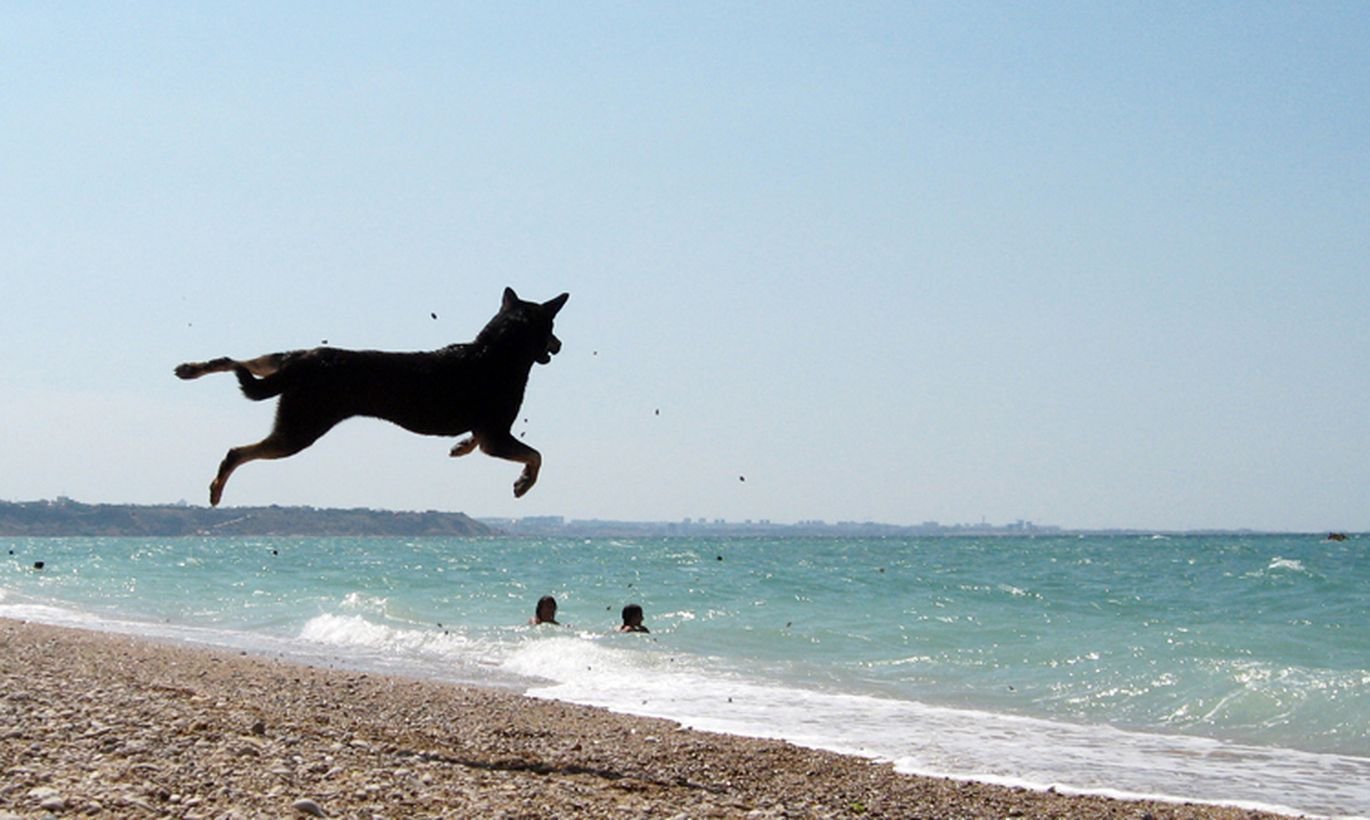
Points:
[[553, 525], [65, 517]]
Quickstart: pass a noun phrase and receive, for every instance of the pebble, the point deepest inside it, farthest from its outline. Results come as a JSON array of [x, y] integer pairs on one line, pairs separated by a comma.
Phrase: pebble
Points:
[[49, 799], [306, 806]]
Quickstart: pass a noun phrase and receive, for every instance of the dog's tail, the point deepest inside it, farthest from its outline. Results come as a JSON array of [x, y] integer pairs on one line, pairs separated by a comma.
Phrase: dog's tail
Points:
[[258, 389]]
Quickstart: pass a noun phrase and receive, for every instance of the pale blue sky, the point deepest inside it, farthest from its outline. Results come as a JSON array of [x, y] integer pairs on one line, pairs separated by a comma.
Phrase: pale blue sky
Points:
[[1092, 264]]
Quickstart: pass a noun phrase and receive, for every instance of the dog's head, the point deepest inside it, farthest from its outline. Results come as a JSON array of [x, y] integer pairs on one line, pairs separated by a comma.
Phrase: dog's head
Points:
[[526, 326]]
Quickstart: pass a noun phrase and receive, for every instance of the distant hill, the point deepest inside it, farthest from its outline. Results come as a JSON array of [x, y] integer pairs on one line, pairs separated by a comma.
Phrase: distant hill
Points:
[[65, 517]]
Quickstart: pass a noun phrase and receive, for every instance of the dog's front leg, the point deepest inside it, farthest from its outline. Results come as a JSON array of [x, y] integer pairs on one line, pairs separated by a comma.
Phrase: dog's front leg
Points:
[[504, 445], [463, 447]]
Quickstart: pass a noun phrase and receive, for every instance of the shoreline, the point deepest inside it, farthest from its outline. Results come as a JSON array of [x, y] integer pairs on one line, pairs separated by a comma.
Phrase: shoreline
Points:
[[102, 723]]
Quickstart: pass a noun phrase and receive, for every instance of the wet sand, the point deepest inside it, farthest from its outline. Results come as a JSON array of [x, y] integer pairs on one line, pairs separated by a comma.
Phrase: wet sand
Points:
[[111, 725]]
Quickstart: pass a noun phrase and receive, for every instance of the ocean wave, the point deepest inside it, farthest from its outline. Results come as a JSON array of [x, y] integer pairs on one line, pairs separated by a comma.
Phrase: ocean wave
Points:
[[356, 631]]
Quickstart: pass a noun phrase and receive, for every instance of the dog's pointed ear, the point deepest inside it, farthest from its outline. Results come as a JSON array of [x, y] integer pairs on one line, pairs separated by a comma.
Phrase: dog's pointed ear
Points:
[[554, 305], [510, 299]]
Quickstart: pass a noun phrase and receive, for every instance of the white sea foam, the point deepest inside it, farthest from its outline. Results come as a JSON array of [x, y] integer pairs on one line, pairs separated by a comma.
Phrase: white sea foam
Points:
[[47, 614], [397, 644], [960, 743], [357, 601], [1290, 564]]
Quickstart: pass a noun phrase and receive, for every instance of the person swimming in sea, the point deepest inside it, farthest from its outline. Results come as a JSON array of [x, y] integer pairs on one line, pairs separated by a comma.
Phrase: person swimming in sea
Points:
[[546, 612], [632, 619]]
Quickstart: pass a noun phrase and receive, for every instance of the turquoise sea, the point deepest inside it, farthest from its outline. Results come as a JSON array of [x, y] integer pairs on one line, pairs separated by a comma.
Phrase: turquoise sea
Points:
[[1232, 669]]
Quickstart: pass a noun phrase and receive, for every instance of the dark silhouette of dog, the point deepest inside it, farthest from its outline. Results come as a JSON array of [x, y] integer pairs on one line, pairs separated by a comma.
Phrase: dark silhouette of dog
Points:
[[474, 388]]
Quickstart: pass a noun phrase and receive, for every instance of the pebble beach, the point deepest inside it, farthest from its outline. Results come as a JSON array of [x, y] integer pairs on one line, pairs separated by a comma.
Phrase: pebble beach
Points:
[[99, 724]]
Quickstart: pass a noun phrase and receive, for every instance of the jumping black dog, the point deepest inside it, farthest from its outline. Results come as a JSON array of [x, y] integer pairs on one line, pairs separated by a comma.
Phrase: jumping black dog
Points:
[[475, 387]]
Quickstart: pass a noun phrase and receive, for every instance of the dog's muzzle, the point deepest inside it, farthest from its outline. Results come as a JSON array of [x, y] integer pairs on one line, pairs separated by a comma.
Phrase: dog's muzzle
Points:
[[553, 348]]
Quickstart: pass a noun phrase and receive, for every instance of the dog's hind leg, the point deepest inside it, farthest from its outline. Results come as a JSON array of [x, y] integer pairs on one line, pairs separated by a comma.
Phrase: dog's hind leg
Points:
[[266, 448], [298, 425], [504, 445]]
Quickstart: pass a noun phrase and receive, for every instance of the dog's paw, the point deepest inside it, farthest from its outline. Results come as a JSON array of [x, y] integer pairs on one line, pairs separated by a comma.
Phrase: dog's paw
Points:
[[463, 447], [524, 484], [187, 370]]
